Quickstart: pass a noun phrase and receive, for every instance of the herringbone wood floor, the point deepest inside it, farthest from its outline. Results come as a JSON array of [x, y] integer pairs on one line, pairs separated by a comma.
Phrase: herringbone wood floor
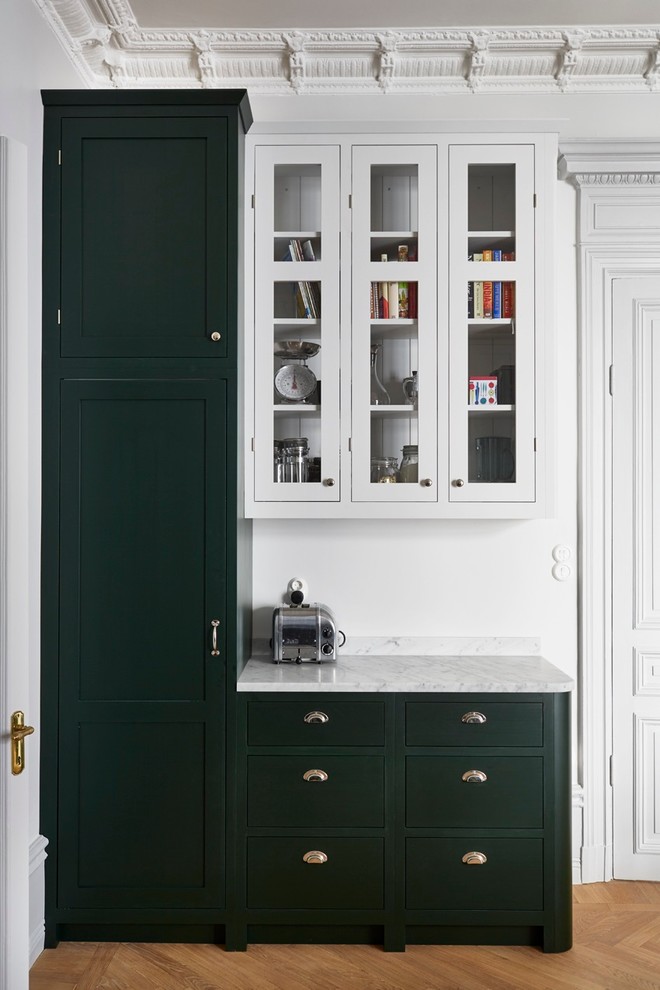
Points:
[[617, 947]]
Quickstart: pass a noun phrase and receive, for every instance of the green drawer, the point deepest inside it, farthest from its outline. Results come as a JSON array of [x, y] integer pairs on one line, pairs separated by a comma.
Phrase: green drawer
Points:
[[279, 793], [510, 796], [474, 722], [329, 723], [511, 879], [278, 876]]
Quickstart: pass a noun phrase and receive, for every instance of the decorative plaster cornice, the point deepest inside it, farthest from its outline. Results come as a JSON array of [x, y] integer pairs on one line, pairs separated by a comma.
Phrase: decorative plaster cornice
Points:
[[610, 163], [109, 48]]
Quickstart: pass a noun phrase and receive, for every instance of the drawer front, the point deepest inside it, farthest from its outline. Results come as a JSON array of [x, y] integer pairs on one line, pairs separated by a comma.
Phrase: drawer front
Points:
[[323, 722], [474, 792], [474, 722], [310, 792], [350, 878], [511, 878]]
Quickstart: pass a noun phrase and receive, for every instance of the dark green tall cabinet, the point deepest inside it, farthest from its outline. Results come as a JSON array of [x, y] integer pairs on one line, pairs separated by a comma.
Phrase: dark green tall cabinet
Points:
[[145, 597]]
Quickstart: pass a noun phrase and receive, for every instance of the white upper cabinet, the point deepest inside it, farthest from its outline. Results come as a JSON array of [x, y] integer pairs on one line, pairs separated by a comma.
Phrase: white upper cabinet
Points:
[[399, 327]]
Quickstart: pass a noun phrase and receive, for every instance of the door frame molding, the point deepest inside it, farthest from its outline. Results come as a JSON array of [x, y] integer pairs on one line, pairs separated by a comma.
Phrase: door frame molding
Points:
[[611, 177], [14, 599]]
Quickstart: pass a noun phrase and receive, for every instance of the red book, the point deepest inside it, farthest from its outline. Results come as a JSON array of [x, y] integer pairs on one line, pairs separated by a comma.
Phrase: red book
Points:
[[412, 300], [488, 300], [383, 302], [508, 299]]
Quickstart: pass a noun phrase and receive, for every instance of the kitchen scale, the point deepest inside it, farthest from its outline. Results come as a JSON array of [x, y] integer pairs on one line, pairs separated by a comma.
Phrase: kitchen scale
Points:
[[295, 382]]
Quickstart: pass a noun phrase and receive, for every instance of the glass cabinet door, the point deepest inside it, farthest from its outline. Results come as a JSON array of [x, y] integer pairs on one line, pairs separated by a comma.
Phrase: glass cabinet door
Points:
[[394, 338], [492, 323], [296, 342]]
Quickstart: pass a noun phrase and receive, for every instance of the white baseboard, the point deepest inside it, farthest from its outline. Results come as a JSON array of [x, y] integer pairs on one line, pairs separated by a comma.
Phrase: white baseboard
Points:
[[37, 884]]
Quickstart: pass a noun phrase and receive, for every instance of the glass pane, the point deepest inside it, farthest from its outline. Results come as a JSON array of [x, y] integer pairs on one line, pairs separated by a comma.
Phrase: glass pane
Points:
[[297, 212], [491, 212], [394, 212]]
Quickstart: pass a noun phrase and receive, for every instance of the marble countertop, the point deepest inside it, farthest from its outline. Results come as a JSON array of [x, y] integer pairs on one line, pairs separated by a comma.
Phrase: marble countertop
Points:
[[398, 671]]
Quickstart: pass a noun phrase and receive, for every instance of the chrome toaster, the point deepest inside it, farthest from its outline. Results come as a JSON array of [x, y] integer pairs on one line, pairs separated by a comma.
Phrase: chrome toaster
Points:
[[304, 632]]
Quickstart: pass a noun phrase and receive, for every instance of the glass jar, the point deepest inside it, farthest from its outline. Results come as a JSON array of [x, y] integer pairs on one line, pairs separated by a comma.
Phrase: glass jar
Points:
[[277, 462], [295, 463], [409, 469], [384, 470]]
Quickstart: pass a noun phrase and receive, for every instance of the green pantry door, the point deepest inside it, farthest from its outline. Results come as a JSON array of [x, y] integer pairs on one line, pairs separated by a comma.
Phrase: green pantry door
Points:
[[142, 696]]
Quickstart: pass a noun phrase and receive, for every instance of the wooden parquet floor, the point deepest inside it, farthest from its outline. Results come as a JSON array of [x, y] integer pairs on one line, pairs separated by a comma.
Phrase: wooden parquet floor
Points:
[[616, 947]]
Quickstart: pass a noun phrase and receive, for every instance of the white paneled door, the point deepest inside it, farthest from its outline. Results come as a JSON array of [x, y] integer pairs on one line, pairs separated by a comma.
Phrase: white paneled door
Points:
[[636, 577]]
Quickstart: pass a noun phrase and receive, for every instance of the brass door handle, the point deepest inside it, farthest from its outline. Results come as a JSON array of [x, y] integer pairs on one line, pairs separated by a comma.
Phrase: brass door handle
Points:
[[215, 652], [313, 775], [474, 777], [19, 730]]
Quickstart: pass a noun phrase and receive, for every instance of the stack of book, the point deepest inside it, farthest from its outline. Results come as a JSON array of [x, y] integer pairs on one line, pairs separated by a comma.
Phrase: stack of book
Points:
[[393, 300], [491, 300], [308, 294]]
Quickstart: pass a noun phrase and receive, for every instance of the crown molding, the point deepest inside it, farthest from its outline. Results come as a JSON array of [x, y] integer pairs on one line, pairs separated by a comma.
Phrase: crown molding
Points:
[[110, 49], [610, 163]]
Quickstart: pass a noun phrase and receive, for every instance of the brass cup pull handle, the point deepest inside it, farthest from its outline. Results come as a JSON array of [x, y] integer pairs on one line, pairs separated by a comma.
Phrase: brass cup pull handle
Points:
[[315, 856], [474, 717], [314, 775], [215, 652], [475, 858], [316, 717], [474, 777]]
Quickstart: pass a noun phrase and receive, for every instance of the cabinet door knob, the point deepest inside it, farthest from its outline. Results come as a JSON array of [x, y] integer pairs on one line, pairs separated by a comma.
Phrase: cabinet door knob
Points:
[[215, 336], [471, 717], [313, 717], [427, 482], [458, 482], [475, 858], [315, 856], [474, 777], [313, 775], [329, 482]]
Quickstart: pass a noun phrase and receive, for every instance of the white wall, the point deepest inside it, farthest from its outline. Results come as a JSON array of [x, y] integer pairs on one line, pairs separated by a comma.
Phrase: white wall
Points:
[[31, 59]]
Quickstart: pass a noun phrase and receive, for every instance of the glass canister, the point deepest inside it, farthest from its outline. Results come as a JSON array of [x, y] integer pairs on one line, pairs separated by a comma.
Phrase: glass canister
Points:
[[277, 461], [409, 470], [384, 470], [295, 461]]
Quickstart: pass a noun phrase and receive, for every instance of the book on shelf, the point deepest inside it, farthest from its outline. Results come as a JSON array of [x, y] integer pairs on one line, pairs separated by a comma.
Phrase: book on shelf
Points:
[[299, 250], [488, 300], [508, 255], [404, 300], [508, 300], [497, 254], [478, 300], [393, 298], [487, 255], [383, 301], [497, 300], [308, 251], [412, 300], [470, 300]]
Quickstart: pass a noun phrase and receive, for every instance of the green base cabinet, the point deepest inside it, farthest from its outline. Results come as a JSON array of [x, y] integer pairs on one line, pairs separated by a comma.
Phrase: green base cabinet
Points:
[[433, 819]]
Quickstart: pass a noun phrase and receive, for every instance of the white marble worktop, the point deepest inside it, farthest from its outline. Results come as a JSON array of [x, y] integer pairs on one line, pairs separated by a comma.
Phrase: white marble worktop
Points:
[[396, 668]]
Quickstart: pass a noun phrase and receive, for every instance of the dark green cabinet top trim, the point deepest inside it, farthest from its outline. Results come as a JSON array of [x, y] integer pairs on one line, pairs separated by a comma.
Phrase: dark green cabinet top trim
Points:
[[151, 97]]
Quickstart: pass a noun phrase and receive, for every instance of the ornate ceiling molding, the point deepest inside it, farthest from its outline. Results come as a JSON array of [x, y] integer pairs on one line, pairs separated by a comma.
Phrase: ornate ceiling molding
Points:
[[110, 49]]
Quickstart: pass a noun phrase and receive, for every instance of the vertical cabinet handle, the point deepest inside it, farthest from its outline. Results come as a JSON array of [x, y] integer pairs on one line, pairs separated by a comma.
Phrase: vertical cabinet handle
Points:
[[215, 652], [19, 730]]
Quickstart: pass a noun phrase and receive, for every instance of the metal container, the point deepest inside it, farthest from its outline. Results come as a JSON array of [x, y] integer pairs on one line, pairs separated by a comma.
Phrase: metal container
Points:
[[304, 632], [294, 453]]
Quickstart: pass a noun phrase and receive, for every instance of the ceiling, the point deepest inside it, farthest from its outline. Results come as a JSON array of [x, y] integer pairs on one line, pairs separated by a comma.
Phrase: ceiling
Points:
[[300, 47]]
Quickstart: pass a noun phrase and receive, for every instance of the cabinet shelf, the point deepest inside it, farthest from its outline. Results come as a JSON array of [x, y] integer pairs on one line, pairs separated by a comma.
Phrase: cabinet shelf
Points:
[[490, 410], [493, 235], [298, 235], [398, 410], [496, 326], [299, 408]]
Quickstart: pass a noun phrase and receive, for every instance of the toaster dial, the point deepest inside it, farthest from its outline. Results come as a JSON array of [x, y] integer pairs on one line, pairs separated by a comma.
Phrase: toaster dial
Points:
[[327, 649]]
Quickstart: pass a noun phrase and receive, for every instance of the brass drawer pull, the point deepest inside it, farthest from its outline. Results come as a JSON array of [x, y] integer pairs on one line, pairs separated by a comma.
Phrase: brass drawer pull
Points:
[[477, 717], [312, 775], [474, 777], [315, 856], [215, 652], [475, 858], [313, 717]]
